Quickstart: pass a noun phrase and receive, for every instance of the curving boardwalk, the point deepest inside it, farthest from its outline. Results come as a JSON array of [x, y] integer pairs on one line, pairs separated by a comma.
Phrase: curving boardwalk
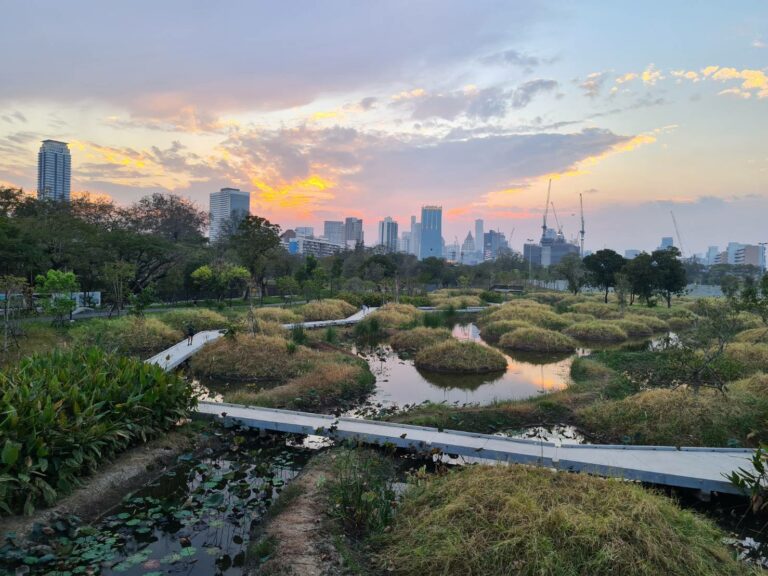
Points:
[[697, 468], [354, 319], [178, 353]]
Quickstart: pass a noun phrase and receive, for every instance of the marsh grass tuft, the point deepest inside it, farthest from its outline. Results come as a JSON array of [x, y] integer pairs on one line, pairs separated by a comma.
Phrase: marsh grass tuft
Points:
[[453, 356], [130, 336], [537, 340], [417, 338], [596, 331]]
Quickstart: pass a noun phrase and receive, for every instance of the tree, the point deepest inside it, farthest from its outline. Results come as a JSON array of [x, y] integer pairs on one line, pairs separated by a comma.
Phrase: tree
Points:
[[58, 286], [12, 289], [641, 274], [671, 279], [117, 275], [167, 216], [571, 268], [603, 266], [256, 238], [287, 286]]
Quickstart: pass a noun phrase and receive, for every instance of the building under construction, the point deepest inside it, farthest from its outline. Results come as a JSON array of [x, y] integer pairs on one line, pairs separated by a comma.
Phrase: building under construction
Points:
[[553, 246]]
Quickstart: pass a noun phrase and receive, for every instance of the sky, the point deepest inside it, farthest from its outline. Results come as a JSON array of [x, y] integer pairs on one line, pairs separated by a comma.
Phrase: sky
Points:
[[333, 108]]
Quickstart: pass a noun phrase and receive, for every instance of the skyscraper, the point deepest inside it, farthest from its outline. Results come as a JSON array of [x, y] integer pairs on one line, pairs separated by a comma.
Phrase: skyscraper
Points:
[[333, 231], [415, 237], [479, 230], [53, 171], [353, 231], [228, 207], [388, 234], [431, 244]]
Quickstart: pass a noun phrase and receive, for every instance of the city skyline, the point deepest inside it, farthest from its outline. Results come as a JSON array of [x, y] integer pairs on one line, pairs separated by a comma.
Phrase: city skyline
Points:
[[471, 107]]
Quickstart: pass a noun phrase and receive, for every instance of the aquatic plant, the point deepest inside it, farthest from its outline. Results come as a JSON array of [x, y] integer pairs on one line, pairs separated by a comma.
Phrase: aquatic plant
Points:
[[460, 357], [393, 315], [275, 314], [417, 338], [634, 329], [596, 331], [129, 336], [197, 318], [327, 309], [537, 340], [492, 331]]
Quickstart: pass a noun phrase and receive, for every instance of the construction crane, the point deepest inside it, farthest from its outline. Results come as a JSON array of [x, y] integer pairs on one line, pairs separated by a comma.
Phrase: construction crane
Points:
[[677, 232], [546, 211], [557, 220], [581, 232]]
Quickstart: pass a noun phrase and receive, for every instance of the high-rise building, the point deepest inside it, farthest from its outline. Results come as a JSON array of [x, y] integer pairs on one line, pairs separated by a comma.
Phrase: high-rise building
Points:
[[712, 253], [388, 234], [353, 231], [468, 250], [405, 242], [333, 231], [493, 242], [666, 242], [305, 231], [53, 171], [479, 235], [228, 207], [415, 236], [631, 253], [431, 242]]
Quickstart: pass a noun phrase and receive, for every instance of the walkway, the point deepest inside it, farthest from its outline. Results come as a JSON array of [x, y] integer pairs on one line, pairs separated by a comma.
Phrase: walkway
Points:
[[697, 468], [178, 353], [354, 319]]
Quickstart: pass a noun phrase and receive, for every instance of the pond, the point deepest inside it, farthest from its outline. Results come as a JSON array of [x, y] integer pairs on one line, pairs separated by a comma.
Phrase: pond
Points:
[[196, 519], [399, 382]]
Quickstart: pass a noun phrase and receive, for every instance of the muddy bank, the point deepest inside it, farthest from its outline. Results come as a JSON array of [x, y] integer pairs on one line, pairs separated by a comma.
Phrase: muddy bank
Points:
[[107, 487]]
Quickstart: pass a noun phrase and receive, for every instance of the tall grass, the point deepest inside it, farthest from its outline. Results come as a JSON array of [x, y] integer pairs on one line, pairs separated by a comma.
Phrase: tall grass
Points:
[[596, 331], [328, 309], [532, 313], [129, 336], [598, 310], [198, 319], [418, 338], [279, 315], [66, 413], [634, 329], [753, 335], [498, 520], [492, 331], [393, 315], [537, 340], [453, 356]]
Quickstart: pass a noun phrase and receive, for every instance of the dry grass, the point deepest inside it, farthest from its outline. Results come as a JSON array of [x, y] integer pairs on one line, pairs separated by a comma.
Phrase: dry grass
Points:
[[456, 302], [598, 310], [453, 356], [684, 417], [516, 520], [251, 358], [199, 319], [537, 340], [418, 338], [751, 356], [328, 309], [396, 315], [596, 331], [633, 328], [575, 317], [492, 331], [680, 323], [753, 335], [534, 313], [654, 323], [129, 336], [277, 315], [335, 381]]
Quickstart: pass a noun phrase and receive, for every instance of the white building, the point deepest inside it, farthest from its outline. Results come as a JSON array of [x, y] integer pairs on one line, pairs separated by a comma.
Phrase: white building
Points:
[[388, 234], [333, 231], [306, 231], [228, 207], [54, 171]]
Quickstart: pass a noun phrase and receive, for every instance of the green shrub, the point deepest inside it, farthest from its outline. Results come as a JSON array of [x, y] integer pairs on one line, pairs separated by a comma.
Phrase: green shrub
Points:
[[352, 298], [491, 297], [537, 340], [596, 331], [326, 310], [633, 328], [499, 520], [368, 331], [199, 319], [418, 338], [66, 413], [331, 335], [453, 356], [128, 336], [492, 331], [298, 335]]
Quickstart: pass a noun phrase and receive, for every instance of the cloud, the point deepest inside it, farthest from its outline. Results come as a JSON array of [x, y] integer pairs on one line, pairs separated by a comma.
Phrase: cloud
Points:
[[14, 117], [593, 84], [517, 59], [524, 93], [628, 77], [651, 75], [758, 43]]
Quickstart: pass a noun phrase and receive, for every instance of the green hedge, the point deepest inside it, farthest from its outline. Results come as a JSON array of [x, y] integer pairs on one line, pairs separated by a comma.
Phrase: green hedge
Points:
[[65, 413]]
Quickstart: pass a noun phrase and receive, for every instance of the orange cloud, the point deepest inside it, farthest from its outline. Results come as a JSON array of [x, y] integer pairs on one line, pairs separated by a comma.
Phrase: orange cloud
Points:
[[409, 95], [650, 75], [301, 197]]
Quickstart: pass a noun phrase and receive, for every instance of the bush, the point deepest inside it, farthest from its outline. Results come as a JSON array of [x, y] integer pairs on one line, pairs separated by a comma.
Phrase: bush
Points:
[[65, 413], [355, 300], [368, 331], [603, 311], [333, 381], [633, 328], [418, 338], [200, 319], [491, 297], [326, 310], [683, 417], [453, 356], [278, 315], [393, 315], [753, 335], [129, 336], [492, 331], [537, 340], [495, 520], [596, 331], [251, 358]]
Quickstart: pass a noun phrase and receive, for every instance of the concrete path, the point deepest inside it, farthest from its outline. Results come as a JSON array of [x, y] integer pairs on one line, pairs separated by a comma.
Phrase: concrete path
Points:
[[354, 319], [697, 468], [178, 353]]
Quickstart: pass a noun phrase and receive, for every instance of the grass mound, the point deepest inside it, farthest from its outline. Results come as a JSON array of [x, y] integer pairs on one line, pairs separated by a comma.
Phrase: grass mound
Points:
[[418, 338], [683, 417], [128, 336], [537, 340], [335, 380], [199, 319], [680, 323], [495, 520], [535, 314], [753, 336], [453, 356], [328, 309], [575, 317], [750, 356], [634, 329], [277, 315], [654, 323], [494, 330], [396, 315], [66, 413], [251, 357], [598, 310], [596, 331], [456, 302]]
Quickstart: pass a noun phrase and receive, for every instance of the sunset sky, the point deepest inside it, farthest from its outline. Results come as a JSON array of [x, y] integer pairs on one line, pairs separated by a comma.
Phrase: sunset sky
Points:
[[327, 109]]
